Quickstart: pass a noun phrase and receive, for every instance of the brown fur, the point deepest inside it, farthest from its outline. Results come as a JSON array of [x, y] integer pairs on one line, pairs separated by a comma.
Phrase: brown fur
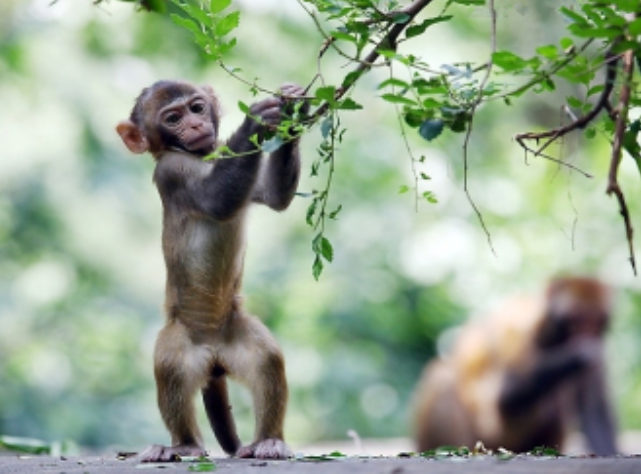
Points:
[[207, 335], [518, 378]]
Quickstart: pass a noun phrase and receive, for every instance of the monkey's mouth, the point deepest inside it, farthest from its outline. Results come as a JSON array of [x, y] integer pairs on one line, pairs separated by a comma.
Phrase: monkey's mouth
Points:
[[201, 143]]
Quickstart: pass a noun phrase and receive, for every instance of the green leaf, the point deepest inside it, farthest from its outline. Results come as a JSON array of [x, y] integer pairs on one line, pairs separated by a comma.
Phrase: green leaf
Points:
[[403, 189], [349, 104], [508, 61], [419, 29], [548, 84], [317, 267], [566, 43], [573, 16], [549, 51], [415, 117], [398, 99], [311, 210], [634, 28], [196, 13], [470, 2], [430, 197], [393, 82], [224, 48], [326, 249], [186, 23], [244, 108], [589, 133], [339, 35], [430, 103], [325, 93], [595, 90], [387, 53], [334, 213], [424, 176], [583, 31], [227, 23], [326, 126], [351, 78], [272, 144], [430, 129], [574, 102], [25, 445], [545, 451], [217, 6], [203, 467], [400, 18]]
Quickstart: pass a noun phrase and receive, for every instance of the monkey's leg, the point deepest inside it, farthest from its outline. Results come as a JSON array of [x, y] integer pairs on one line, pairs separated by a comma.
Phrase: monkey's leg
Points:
[[219, 412], [180, 368], [257, 362]]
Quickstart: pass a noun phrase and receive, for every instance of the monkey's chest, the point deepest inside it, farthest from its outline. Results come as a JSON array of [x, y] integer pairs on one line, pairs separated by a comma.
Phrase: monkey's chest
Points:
[[205, 253]]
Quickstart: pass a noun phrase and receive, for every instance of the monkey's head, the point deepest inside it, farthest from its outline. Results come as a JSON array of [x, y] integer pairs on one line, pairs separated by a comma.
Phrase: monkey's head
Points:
[[172, 115], [575, 307]]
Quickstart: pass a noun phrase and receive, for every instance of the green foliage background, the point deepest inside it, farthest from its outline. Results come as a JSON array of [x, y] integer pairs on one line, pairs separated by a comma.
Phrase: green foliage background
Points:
[[81, 271]]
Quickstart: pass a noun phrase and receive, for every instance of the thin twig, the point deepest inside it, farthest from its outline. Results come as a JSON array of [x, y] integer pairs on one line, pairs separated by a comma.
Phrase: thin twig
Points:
[[621, 121], [466, 142], [569, 58], [253, 85], [407, 145], [552, 135], [552, 159], [387, 42]]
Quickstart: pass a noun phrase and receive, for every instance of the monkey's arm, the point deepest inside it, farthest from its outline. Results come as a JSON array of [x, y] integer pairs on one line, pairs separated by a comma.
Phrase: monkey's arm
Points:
[[278, 184], [595, 412], [222, 189], [279, 180], [523, 388]]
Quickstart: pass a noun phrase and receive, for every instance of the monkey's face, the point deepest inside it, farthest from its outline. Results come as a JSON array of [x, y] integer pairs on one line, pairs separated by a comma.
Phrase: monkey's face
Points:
[[172, 115], [576, 308], [187, 123]]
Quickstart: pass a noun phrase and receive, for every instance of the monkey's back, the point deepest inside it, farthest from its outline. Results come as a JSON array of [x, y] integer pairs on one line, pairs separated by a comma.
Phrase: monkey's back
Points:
[[458, 395]]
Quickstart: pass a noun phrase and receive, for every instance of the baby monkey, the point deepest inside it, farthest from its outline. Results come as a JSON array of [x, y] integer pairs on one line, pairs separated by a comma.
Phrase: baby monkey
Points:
[[208, 336]]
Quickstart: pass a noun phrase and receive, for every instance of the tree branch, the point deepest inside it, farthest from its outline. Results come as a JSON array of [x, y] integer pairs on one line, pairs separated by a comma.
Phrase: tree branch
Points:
[[611, 61], [466, 142], [621, 122], [387, 42]]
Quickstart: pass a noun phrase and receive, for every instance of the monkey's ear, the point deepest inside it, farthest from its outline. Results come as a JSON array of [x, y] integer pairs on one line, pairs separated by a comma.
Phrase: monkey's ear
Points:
[[132, 137]]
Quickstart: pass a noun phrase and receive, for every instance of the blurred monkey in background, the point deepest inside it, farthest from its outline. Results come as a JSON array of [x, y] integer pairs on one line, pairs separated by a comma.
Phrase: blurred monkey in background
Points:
[[519, 378]]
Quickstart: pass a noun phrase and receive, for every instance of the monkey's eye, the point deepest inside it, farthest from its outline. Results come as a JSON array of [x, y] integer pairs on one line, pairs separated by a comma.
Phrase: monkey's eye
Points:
[[197, 107], [172, 118]]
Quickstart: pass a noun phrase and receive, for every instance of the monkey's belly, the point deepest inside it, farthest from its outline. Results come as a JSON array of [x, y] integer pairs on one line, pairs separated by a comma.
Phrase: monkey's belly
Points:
[[204, 271]]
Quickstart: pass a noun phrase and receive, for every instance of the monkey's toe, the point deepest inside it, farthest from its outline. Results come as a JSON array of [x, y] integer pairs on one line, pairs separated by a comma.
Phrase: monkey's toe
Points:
[[159, 453], [265, 449]]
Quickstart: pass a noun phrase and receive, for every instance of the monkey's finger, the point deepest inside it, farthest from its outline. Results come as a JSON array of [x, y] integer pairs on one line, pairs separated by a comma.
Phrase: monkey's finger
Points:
[[271, 116], [292, 90], [259, 107]]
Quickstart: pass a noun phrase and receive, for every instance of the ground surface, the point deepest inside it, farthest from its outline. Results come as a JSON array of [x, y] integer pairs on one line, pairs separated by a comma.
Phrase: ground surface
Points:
[[11, 464]]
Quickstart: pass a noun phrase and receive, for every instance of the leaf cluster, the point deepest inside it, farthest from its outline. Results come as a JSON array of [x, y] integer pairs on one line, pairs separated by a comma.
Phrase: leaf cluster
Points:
[[209, 25]]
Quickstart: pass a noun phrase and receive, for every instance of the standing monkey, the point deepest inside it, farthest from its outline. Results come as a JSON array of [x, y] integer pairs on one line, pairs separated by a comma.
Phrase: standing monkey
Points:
[[207, 335], [518, 378]]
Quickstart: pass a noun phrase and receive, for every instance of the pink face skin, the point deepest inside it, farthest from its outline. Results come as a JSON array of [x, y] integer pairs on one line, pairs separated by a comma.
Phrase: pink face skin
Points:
[[189, 120]]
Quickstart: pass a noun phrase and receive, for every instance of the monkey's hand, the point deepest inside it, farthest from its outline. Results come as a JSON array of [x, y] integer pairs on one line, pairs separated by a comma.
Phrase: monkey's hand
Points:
[[270, 448], [263, 116], [586, 351], [292, 94], [158, 453]]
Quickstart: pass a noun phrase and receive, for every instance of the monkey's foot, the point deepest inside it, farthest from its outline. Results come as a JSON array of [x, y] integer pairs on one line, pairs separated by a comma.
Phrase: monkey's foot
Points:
[[271, 448], [158, 453]]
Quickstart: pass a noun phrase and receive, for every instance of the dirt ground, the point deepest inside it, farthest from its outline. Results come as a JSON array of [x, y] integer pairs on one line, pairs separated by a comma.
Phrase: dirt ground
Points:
[[110, 465], [368, 456]]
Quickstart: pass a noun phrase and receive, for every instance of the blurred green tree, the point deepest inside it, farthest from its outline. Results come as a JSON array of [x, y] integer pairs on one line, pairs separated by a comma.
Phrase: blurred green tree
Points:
[[81, 275]]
